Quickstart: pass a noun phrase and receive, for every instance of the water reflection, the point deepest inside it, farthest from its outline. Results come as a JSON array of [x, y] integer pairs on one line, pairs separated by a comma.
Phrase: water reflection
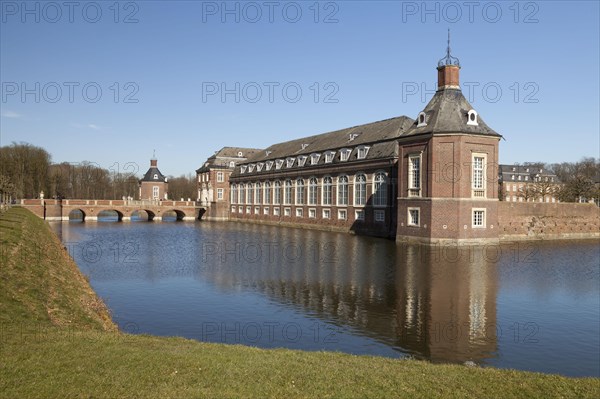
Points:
[[509, 306]]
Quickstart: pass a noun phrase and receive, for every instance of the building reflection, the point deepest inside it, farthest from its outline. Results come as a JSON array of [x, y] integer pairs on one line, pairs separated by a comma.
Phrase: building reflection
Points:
[[436, 303]]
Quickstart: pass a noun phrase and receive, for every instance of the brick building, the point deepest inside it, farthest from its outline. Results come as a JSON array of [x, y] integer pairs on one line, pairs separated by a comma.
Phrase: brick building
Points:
[[212, 179], [527, 183], [431, 179], [154, 185]]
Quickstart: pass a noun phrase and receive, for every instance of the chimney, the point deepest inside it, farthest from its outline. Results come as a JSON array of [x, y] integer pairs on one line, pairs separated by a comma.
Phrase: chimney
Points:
[[448, 70]]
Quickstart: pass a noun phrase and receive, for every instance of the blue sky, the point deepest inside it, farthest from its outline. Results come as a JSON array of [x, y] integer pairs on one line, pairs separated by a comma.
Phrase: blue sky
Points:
[[111, 83]]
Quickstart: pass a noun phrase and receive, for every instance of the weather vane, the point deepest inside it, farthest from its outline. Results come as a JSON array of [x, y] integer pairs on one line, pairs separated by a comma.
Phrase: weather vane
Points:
[[448, 59]]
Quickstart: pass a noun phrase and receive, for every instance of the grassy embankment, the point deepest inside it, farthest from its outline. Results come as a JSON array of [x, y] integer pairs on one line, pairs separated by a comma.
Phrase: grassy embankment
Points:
[[57, 340]]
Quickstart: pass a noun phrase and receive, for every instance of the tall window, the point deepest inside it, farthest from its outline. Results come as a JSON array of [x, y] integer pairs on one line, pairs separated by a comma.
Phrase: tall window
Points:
[[380, 189], [478, 175], [299, 191], [287, 199], [342, 197], [312, 191], [277, 193], [250, 193], [478, 217], [258, 193], [242, 193], [360, 189], [267, 193], [220, 177], [234, 194], [155, 192], [327, 190], [414, 175]]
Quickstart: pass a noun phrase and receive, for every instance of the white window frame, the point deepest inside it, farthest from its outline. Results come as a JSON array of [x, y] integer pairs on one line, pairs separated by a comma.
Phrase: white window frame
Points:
[[259, 166], [302, 160], [287, 212], [329, 156], [299, 212], [299, 191], [220, 177], [155, 192], [277, 192], [339, 186], [266, 210], [233, 208], [276, 211], [220, 194], [362, 152], [269, 165], [483, 218], [324, 191], [241, 209], [313, 190], [359, 214], [257, 210], [409, 220], [289, 162], [380, 197], [342, 214], [314, 158], [357, 186], [243, 169], [251, 168], [326, 213], [278, 164], [312, 213], [288, 195], [345, 154], [414, 188], [479, 190]]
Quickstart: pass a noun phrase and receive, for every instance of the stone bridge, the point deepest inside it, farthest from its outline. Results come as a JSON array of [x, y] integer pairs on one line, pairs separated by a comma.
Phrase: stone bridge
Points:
[[66, 209]]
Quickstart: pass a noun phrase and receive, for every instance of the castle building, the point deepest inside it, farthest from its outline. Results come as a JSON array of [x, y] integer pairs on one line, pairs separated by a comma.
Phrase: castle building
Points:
[[154, 185], [527, 183], [212, 179], [433, 179]]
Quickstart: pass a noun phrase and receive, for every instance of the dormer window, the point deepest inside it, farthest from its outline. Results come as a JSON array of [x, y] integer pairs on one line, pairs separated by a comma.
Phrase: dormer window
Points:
[[362, 152], [231, 164], [259, 166], [314, 158], [472, 118], [422, 119], [514, 169], [243, 168], [268, 152], [353, 136], [155, 176], [302, 160], [345, 154], [240, 154], [289, 162], [512, 177], [269, 165], [251, 168], [278, 163], [304, 146], [329, 156]]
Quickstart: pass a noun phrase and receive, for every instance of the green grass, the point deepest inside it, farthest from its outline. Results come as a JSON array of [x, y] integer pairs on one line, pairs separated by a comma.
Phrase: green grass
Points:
[[57, 340]]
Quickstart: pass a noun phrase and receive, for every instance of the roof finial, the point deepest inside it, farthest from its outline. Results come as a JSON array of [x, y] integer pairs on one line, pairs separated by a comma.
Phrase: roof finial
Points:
[[449, 59], [153, 154]]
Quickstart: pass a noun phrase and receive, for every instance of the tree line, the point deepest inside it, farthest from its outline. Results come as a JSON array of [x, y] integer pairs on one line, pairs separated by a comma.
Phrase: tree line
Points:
[[26, 171], [577, 182]]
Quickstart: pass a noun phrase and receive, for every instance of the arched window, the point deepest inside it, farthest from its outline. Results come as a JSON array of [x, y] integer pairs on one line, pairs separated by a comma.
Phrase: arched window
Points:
[[360, 189], [327, 190], [242, 193], [312, 191], [380, 189], [342, 197], [267, 193], [299, 191], [234, 194], [249, 193], [287, 198], [258, 193], [277, 193]]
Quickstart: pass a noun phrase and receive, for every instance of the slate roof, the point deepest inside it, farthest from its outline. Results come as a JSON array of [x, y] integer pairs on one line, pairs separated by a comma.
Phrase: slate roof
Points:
[[447, 113], [225, 155], [505, 173], [149, 176], [379, 136]]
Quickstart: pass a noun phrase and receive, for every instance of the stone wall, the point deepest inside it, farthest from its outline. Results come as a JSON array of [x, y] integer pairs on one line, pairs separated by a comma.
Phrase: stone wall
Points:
[[530, 220]]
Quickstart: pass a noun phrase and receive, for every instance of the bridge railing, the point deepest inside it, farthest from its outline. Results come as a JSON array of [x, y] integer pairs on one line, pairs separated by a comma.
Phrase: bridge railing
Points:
[[125, 202]]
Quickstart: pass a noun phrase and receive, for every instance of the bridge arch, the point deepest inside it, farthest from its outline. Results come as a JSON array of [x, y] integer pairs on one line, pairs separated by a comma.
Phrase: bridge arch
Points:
[[143, 214], [77, 215], [105, 215], [179, 215]]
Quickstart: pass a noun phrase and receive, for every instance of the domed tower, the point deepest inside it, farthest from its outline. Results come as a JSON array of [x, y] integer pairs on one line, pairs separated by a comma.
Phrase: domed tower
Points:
[[154, 185], [448, 167]]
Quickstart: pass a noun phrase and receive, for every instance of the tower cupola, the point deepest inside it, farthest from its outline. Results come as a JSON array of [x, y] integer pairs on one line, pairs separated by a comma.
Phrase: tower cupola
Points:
[[448, 70]]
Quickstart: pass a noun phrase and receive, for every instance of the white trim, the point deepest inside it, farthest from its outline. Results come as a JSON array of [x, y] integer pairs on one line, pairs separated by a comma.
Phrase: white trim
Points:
[[483, 221], [409, 221]]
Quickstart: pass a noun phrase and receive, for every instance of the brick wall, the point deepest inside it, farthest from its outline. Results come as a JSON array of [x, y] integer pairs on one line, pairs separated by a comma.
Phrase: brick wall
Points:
[[528, 220]]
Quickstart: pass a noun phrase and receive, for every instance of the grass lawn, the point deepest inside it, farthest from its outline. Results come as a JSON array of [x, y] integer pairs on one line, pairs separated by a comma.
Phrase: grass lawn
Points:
[[57, 340]]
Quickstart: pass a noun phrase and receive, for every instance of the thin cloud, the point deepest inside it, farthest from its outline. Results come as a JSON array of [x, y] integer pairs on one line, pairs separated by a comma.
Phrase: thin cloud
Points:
[[11, 114], [88, 126]]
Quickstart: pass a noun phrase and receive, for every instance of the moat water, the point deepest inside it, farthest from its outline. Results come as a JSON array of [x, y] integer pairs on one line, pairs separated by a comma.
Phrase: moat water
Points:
[[529, 306]]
